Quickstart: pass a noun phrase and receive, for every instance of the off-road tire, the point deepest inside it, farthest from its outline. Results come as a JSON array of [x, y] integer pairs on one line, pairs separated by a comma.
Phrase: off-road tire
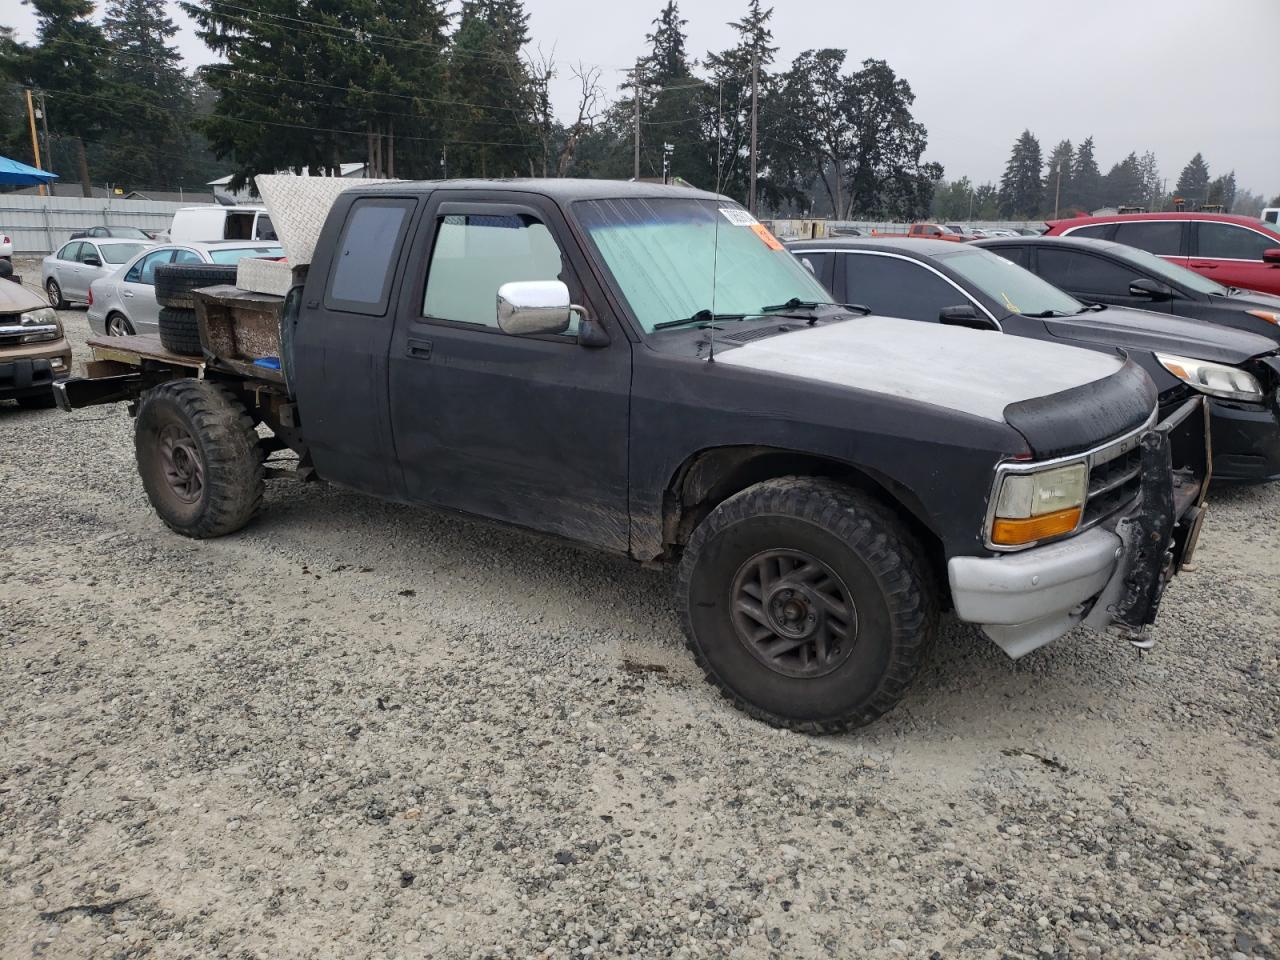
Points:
[[54, 291], [870, 550], [180, 332], [221, 438], [175, 281]]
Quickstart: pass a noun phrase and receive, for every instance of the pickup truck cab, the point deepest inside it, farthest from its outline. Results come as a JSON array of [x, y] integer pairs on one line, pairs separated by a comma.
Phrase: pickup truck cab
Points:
[[645, 370]]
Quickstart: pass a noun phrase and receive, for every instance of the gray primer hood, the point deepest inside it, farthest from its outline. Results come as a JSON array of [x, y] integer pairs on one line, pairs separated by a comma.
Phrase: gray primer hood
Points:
[[973, 371]]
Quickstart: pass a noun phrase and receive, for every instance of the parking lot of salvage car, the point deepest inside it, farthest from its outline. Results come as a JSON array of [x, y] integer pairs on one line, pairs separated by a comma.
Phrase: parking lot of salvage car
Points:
[[362, 730]]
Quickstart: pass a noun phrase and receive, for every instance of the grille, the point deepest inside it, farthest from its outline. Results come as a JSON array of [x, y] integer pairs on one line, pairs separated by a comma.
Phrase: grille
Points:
[[1115, 479]]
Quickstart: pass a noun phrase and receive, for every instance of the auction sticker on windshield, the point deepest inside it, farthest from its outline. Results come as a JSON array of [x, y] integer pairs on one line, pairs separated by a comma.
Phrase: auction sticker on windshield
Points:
[[770, 241], [738, 217]]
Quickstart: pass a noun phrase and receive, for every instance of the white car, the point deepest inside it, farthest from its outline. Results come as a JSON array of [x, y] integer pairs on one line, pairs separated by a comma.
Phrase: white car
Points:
[[67, 272], [124, 303]]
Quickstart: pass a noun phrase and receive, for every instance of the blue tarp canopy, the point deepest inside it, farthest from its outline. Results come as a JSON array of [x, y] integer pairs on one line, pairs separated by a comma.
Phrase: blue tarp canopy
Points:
[[13, 172]]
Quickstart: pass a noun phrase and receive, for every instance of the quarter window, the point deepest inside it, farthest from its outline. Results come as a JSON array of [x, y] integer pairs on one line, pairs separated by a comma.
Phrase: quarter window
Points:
[[1226, 241], [1095, 231], [1161, 237], [897, 288], [361, 273], [1084, 273], [475, 254]]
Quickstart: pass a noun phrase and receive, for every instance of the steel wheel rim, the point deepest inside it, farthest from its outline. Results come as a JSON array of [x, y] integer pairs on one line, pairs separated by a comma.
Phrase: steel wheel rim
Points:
[[793, 613], [180, 460], [55, 293], [116, 327]]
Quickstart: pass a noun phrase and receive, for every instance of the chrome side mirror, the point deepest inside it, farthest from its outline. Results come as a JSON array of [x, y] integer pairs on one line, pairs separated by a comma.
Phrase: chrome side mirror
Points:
[[534, 308]]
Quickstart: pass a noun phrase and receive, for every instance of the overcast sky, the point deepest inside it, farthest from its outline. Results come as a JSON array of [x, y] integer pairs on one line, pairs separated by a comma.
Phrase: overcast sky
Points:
[[1172, 76]]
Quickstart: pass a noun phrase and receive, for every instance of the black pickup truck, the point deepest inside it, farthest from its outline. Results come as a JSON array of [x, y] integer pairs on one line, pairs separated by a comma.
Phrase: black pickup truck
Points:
[[646, 370]]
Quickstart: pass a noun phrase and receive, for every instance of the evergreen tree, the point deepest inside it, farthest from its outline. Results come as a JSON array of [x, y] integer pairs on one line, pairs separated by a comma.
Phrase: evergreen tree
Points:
[[1152, 186], [1193, 182], [66, 62], [672, 103], [1021, 187], [1057, 178], [144, 74], [494, 99], [727, 137], [1124, 184], [1223, 190], [1086, 179]]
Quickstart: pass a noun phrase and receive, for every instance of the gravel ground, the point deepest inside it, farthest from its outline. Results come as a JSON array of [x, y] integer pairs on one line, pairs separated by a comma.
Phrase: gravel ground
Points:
[[360, 730]]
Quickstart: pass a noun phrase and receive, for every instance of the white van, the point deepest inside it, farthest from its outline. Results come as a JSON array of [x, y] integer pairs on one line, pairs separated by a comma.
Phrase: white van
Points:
[[1271, 215], [208, 223]]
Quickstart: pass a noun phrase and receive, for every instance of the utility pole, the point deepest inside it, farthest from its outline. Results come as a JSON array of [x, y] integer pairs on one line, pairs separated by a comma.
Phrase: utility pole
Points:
[[635, 91], [35, 144], [755, 76], [667, 150], [48, 147], [1057, 191]]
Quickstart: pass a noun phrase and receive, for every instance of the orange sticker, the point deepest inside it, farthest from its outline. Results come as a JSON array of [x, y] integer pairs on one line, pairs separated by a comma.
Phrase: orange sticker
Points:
[[769, 239]]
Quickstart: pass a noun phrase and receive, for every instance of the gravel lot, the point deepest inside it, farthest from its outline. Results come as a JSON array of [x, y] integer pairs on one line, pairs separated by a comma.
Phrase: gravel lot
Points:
[[359, 730]]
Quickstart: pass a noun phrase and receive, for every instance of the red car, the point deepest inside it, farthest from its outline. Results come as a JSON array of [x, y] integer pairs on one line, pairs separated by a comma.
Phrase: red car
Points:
[[1233, 251]]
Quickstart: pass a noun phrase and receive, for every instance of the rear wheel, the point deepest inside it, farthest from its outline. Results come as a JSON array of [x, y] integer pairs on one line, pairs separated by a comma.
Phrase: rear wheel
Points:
[[118, 325], [807, 603], [55, 295], [198, 456]]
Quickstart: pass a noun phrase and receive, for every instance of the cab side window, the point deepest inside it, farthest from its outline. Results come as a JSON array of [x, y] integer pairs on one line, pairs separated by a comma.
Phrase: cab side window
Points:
[[1226, 241], [475, 254], [365, 261], [897, 288]]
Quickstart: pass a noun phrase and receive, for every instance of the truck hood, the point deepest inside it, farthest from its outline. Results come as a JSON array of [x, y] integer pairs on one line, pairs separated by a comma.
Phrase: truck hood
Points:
[[973, 371], [1145, 330]]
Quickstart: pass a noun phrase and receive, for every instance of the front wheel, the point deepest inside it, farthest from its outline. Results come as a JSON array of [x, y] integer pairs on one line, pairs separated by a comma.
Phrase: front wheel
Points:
[[808, 603], [198, 456]]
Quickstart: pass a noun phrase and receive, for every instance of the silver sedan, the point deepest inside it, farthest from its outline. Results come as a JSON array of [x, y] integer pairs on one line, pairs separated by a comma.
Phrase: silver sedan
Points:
[[125, 302], [67, 272]]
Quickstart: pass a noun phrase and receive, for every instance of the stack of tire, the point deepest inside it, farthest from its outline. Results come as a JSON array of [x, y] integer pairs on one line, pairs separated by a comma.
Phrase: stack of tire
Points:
[[179, 331]]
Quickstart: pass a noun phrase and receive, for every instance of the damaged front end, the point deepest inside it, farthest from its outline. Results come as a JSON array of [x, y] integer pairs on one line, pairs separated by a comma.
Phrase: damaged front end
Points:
[[1137, 528]]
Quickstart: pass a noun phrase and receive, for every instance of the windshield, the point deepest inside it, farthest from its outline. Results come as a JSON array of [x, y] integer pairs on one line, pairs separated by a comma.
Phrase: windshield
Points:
[[662, 253], [1019, 290], [1173, 273], [236, 254], [118, 252]]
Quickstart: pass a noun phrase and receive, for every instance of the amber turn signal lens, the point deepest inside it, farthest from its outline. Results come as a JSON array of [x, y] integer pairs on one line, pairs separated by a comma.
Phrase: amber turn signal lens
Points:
[[1013, 532]]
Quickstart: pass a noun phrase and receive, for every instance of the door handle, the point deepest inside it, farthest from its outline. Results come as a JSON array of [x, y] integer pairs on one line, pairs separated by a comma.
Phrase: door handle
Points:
[[1205, 266], [419, 349], [126, 293]]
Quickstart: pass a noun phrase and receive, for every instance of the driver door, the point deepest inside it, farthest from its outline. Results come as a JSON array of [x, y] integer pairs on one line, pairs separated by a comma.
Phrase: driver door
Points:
[[529, 430]]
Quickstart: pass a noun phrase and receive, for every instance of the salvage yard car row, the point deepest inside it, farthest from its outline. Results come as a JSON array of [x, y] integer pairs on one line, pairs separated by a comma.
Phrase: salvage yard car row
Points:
[[645, 370]]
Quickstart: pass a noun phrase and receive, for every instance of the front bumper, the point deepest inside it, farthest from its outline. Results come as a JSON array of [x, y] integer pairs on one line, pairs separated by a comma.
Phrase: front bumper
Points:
[[1246, 441], [33, 370], [1112, 575]]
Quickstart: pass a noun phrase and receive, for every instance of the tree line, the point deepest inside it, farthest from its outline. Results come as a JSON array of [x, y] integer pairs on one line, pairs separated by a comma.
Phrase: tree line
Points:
[[429, 88], [1069, 182]]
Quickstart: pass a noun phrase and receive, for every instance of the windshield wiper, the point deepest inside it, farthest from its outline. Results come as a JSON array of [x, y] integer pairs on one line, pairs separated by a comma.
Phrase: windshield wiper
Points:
[[795, 303], [702, 316], [1048, 314]]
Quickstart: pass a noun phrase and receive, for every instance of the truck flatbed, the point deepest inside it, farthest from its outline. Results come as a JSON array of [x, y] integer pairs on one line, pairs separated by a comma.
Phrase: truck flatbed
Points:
[[132, 350]]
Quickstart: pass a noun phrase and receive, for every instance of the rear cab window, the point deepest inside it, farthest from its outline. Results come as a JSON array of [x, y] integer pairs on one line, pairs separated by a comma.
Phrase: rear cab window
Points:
[[360, 277]]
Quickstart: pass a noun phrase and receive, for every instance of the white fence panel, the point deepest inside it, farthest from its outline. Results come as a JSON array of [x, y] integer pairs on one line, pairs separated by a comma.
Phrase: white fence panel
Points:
[[42, 224]]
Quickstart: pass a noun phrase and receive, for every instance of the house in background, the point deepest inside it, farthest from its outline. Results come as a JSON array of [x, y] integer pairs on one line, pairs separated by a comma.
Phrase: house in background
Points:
[[246, 195]]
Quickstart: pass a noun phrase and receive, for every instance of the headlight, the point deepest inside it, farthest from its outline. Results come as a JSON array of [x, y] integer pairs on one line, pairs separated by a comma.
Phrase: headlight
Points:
[[46, 324], [1035, 505], [1271, 316], [1215, 379]]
